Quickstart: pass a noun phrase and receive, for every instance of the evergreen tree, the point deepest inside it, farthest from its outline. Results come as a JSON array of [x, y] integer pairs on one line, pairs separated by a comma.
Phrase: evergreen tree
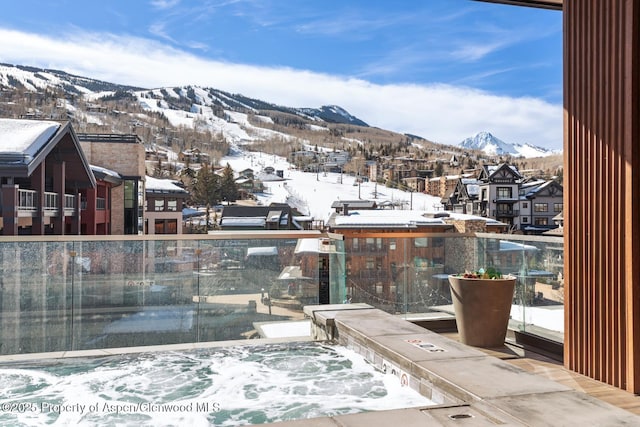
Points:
[[157, 172], [206, 188], [228, 185]]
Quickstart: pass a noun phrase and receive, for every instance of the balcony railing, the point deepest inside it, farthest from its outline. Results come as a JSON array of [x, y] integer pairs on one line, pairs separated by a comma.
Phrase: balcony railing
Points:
[[68, 294], [503, 214], [51, 201], [27, 200], [101, 203], [69, 202]]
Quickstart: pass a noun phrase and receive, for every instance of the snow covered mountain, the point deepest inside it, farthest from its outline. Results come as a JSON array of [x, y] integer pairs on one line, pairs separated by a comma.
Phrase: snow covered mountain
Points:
[[34, 79], [489, 144]]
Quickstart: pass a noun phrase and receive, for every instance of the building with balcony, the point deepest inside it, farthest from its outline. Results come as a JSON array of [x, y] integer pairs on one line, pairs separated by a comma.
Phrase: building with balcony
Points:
[[527, 205], [96, 205], [540, 202], [164, 203], [464, 199], [44, 174], [386, 248], [499, 192]]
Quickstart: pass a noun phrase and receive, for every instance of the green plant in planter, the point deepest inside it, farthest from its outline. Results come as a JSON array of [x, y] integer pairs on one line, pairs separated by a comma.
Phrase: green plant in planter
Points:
[[489, 273]]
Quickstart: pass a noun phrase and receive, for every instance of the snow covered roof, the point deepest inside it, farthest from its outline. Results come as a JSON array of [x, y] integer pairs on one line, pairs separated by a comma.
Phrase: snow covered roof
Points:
[[105, 171], [506, 245], [532, 191], [473, 189], [313, 245], [24, 145], [385, 218], [106, 175], [292, 272], [354, 204], [156, 185], [262, 251], [25, 137], [461, 216], [243, 221]]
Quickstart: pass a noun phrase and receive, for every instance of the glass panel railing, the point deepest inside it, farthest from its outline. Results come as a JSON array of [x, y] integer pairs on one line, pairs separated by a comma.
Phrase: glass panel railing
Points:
[[62, 294], [84, 294], [406, 275], [537, 263], [409, 275]]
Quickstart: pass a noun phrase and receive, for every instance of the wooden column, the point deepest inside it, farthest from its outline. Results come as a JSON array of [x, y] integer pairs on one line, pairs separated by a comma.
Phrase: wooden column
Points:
[[9, 209], [59, 178], [89, 216], [602, 201], [37, 182]]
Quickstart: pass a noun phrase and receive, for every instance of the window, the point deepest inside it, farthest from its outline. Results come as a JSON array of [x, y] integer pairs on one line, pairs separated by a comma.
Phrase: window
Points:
[[557, 207], [172, 205], [133, 206], [525, 205], [379, 243], [356, 244], [421, 242], [541, 207], [370, 263], [504, 208], [158, 205], [504, 192], [542, 221], [525, 220]]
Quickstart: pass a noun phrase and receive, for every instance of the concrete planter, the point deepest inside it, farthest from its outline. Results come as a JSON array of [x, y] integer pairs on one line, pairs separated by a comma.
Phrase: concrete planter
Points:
[[482, 308]]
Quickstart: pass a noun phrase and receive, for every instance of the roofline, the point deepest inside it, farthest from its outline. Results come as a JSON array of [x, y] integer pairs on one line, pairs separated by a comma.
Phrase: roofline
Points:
[[47, 147], [114, 180], [542, 4], [87, 167]]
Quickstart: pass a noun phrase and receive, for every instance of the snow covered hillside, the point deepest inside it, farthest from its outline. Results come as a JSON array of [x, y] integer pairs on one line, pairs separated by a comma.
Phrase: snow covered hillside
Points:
[[312, 194]]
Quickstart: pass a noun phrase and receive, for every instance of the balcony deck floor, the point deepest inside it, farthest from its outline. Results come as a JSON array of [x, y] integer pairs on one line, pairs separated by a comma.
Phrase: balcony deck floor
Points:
[[554, 370]]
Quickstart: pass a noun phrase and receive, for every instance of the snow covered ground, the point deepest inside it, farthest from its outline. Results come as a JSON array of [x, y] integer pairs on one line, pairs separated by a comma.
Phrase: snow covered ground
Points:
[[312, 194]]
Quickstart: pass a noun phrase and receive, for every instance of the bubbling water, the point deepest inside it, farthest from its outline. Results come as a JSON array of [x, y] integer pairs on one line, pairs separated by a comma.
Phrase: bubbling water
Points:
[[228, 386]]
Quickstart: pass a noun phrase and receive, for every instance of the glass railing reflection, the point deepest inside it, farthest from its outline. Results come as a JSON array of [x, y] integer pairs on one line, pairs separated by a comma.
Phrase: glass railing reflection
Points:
[[86, 293]]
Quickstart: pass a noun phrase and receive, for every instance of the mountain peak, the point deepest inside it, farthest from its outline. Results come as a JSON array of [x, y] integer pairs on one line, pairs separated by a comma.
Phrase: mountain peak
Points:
[[486, 142]]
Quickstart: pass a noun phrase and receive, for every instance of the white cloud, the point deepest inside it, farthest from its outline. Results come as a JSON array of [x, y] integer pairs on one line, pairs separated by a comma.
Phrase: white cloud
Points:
[[164, 4], [441, 113]]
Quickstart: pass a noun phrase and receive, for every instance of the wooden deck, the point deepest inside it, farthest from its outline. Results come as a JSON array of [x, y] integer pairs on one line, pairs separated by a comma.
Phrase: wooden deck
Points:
[[554, 370]]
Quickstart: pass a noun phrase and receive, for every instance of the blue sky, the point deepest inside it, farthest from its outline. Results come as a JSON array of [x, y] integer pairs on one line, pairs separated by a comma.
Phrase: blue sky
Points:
[[402, 65]]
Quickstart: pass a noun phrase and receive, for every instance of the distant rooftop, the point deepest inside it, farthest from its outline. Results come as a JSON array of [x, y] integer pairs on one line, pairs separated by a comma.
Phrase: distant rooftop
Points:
[[109, 137], [385, 218], [156, 185]]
